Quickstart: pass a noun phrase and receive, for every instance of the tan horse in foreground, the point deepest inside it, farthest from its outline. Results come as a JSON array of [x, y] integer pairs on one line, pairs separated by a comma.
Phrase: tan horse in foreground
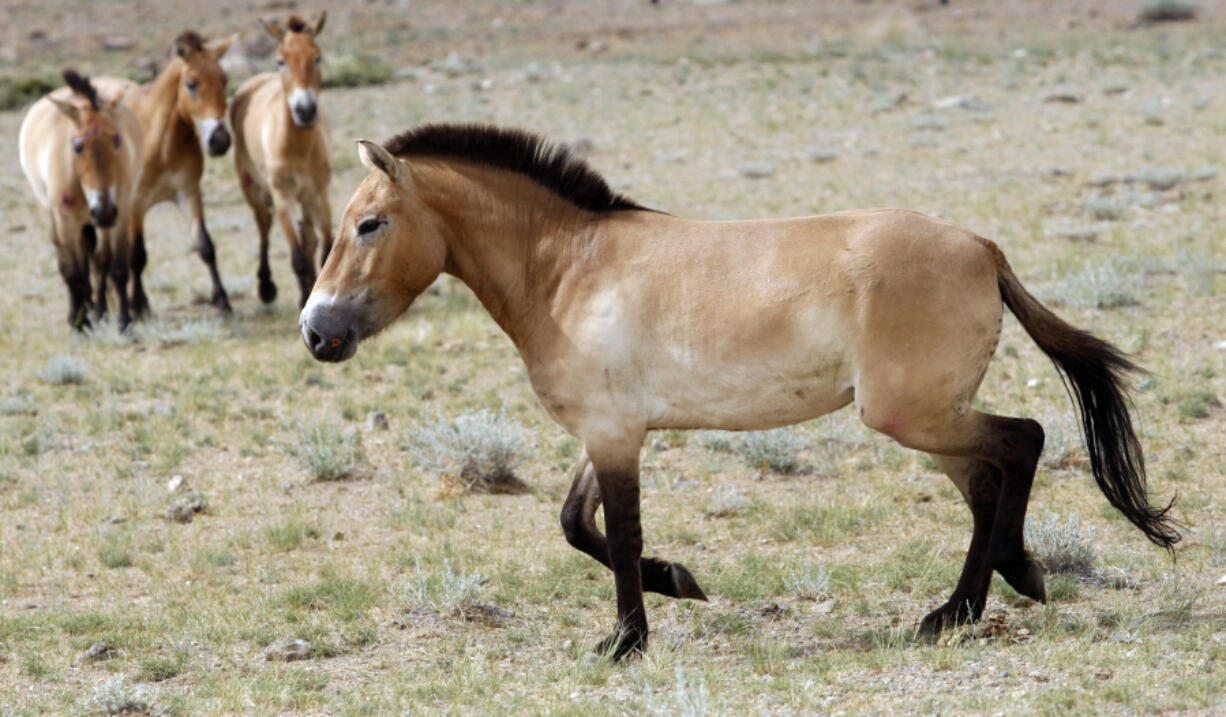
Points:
[[182, 106], [631, 321], [281, 151], [81, 155]]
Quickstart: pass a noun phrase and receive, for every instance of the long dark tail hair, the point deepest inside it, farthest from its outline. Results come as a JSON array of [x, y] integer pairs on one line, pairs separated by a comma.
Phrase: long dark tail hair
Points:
[[1095, 374]]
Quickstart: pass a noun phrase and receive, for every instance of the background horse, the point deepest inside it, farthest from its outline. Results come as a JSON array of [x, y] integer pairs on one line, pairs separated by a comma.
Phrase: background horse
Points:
[[183, 105], [81, 156], [631, 321], [281, 151]]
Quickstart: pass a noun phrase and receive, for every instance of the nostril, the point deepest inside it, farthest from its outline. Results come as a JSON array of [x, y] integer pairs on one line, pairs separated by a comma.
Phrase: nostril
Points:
[[314, 340]]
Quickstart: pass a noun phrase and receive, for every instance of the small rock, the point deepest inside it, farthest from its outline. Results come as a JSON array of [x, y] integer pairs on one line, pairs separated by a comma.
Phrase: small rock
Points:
[[757, 170], [99, 652], [1034, 383], [176, 484], [453, 65], [822, 153], [117, 43], [658, 446], [184, 511], [1065, 96], [491, 615], [287, 649], [376, 421], [533, 72], [1221, 580], [1116, 578]]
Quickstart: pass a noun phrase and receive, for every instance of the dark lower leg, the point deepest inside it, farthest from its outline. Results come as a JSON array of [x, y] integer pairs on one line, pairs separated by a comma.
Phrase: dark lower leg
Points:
[[119, 275], [579, 526], [305, 272], [268, 289], [980, 485], [140, 302], [620, 491], [76, 278], [209, 256], [1021, 443]]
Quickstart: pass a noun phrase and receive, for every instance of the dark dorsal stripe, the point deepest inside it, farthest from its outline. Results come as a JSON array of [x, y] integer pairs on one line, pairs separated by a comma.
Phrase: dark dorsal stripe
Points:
[[81, 86], [550, 165]]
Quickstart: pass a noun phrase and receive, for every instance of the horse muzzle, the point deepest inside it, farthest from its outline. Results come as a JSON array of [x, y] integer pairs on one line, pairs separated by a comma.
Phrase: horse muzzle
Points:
[[328, 328], [219, 141], [303, 109]]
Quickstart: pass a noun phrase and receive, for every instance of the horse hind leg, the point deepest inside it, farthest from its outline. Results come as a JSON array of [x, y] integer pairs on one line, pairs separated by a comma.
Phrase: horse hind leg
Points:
[[979, 483], [579, 526]]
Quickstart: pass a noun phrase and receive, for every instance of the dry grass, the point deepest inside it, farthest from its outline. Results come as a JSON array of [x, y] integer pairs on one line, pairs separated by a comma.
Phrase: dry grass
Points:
[[817, 578]]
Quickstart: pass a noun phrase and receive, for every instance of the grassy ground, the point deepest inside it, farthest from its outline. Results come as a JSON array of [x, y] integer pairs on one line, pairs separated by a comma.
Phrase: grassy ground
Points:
[[1108, 206]]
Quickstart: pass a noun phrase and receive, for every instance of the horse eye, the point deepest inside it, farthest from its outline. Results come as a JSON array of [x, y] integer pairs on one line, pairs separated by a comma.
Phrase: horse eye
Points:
[[319, 60], [116, 141], [281, 62], [192, 85], [78, 145], [369, 226]]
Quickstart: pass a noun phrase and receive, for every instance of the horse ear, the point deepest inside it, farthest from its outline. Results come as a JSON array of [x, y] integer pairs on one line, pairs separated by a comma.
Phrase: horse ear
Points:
[[274, 29], [114, 103], [375, 157], [72, 111], [217, 48], [317, 26]]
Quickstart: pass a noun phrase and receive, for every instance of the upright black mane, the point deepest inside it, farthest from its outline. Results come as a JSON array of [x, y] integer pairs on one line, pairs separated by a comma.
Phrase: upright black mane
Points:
[[82, 86], [552, 166]]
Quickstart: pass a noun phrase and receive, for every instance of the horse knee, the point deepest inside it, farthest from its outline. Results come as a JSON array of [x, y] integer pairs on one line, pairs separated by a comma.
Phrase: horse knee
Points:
[[573, 525]]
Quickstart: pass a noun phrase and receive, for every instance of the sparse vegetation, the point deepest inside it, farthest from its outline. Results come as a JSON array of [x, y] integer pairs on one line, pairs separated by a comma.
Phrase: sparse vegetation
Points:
[[1167, 10], [446, 591], [777, 450], [478, 450], [65, 370], [1062, 547], [350, 69], [327, 451]]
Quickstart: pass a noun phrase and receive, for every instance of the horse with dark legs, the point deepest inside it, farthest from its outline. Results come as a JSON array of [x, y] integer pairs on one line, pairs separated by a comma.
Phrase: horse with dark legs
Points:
[[81, 155], [281, 151], [631, 320], [181, 109]]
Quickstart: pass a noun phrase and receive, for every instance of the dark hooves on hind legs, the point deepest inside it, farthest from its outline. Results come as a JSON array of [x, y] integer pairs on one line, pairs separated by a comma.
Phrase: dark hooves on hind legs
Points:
[[621, 645], [1026, 577], [949, 615]]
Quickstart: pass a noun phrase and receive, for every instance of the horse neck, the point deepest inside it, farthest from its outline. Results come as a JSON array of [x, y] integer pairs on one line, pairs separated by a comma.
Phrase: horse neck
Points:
[[159, 103], [507, 239]]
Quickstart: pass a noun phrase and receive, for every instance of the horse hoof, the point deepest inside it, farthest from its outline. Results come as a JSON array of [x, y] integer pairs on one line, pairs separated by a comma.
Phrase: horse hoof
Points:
[[268, 292], [621, 645], [222, 303], [947, 616], [684, 584], [1026, 577]]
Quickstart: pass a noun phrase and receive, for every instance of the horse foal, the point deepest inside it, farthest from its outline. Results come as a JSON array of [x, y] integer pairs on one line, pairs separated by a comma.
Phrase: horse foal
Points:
[[281, 152], [81, 156], [182, 107]]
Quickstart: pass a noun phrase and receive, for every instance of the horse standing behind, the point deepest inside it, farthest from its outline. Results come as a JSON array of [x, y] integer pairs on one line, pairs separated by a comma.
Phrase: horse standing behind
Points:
[[81, 156], [630, 320], [183, 105], [281, 151]]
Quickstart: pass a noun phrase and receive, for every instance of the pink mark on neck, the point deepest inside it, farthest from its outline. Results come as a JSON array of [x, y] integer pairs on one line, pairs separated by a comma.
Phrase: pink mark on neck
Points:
[[69, 200]]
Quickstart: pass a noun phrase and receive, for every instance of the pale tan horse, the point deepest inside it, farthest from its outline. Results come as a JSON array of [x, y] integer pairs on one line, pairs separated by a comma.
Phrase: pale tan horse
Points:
[[631, 321], [182, 107], [281, 151], [81, 155]]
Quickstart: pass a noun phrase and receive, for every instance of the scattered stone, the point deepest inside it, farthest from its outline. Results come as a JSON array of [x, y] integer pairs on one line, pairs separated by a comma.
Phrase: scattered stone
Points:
[[757, 170], [1086, 233], [482, 85], [1221, 580], [1115, 578], [287, 649], [453, 65], [772, 611], [1105, 208], [491, 615], [185, 510], [533, 72], [376, 421], [1034, 383], [99, 652], [822, 153], [1160, 178], [1206, 173], [1063, 95], [176, 484], [966, 102], [117, 43]]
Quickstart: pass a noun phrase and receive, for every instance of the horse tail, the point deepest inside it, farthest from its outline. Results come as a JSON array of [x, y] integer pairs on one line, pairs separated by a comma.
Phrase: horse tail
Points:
[[1095, 373]]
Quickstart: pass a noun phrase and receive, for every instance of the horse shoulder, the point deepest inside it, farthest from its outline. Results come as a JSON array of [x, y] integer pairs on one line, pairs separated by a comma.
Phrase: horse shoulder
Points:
[[43, 151]]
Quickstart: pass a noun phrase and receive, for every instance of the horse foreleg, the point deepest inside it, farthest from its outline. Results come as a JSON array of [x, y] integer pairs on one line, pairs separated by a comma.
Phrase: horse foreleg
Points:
[[304, 269], [320, 213], [579, 526], [74, 268], [207, 252], [100, 248], [617, 474], [120, 258], [260, 202], [138, 259]]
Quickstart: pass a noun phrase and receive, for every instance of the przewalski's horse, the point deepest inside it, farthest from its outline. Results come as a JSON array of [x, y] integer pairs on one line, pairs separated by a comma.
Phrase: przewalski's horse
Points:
[[183, 106], [281, 151], [631, 321], [81, 155]]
